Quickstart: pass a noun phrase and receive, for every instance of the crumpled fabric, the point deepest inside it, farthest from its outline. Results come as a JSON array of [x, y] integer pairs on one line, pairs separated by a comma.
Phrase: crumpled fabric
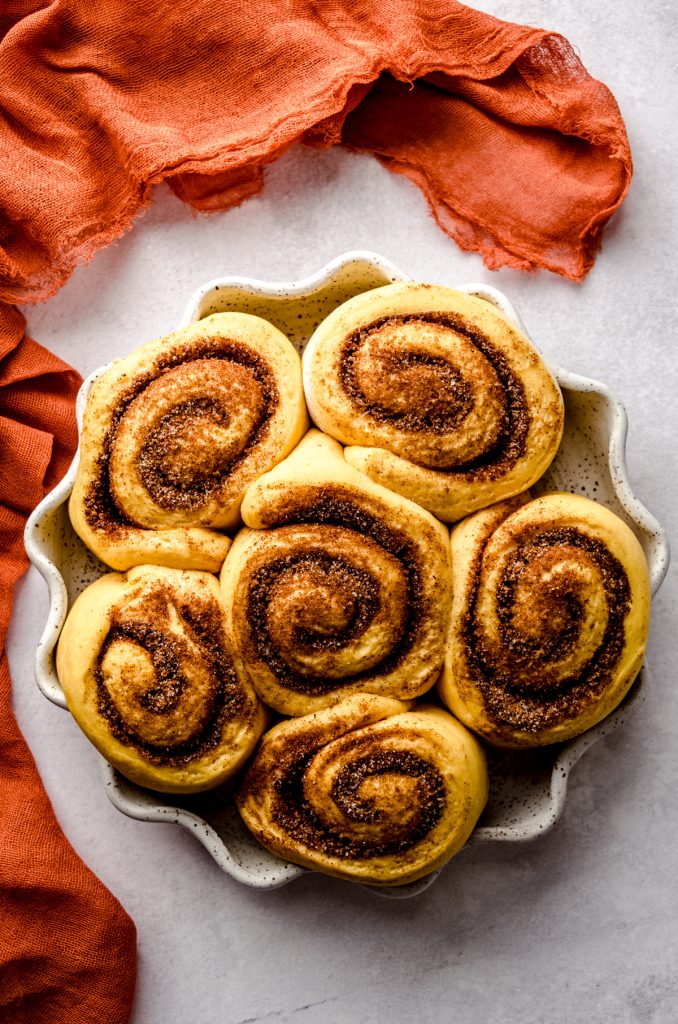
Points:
[[67, 948], [521, 154]]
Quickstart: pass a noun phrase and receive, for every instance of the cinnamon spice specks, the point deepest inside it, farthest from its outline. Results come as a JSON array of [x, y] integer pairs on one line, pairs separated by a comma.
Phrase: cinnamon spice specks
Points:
[[225, 700], [510, 443], [100, 508], [333, 505], [514, 678]]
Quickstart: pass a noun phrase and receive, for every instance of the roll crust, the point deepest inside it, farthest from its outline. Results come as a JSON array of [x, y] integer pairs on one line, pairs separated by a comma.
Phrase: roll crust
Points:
[[338, 585], [150, 678], [438, 396], [175, 432], [368, 789], [550, 619]]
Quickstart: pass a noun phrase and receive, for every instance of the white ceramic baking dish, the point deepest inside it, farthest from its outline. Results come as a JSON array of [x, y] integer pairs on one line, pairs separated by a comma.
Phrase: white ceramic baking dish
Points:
[[528, 789]]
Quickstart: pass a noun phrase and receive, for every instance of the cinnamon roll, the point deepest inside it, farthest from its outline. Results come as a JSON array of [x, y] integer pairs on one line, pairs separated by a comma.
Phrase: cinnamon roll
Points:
[[549, 619], [438, 395], [366, 790], [339, 586], [150, 678], [175, 432]]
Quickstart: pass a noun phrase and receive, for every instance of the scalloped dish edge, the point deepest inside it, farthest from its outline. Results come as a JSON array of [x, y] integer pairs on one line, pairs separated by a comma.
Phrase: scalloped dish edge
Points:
[[145, 809]]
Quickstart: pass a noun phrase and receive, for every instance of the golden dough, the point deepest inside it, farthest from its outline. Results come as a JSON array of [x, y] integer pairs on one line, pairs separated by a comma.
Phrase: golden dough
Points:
[[149, 677], [174, 433], [549, 619], [366, 790], [437, 394], [338, 586]]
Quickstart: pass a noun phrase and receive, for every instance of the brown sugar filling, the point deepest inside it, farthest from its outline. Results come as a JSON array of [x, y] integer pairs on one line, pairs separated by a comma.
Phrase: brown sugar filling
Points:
[[182, 486], [510, 444], [101, 511], [292, 812], [523, 703], [226, 701], [363, 595], [327, 505]]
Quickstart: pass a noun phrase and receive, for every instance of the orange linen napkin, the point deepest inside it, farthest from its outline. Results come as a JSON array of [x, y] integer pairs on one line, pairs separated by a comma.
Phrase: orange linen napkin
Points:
[[521, 154], [67, 948]]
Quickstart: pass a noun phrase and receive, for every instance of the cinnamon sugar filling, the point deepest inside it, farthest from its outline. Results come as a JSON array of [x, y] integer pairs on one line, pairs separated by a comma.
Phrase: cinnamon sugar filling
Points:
[[292, 812], [224, 702], [439, 398], [359, 591], [101, 510], [514, 677]]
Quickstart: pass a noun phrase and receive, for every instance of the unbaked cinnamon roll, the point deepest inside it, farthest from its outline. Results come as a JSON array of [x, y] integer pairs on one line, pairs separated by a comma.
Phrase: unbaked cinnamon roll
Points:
[[339, 586], [150, 678], [366, 790], [175, 432], [438, 395], [549, 619]]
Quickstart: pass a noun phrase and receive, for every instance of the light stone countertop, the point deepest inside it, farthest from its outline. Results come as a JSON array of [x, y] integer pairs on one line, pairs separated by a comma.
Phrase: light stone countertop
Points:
[[581, 926]]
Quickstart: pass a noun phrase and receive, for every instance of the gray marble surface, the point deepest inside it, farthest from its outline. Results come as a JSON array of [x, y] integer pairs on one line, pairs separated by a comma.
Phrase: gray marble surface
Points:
[[581, 926]]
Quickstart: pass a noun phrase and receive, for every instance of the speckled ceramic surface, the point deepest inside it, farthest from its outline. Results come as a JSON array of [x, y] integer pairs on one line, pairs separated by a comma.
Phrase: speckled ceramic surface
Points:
[[528, 789]]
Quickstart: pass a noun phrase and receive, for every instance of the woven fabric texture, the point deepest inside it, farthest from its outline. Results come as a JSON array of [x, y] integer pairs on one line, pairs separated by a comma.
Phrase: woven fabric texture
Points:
[[521, 154], [67, 948]]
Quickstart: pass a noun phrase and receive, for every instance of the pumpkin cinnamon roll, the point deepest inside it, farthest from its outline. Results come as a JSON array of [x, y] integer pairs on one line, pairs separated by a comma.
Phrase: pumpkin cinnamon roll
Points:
[[549, 619], [438, 395], [175, 432], [339, 586], [150, 678], [366, 790]]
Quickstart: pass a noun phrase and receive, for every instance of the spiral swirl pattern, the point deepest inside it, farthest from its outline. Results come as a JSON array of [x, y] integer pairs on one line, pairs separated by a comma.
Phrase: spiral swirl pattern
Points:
[[438, 396], [174, 433], [347, 588], [366, 790], [549, 620], [149, 676]]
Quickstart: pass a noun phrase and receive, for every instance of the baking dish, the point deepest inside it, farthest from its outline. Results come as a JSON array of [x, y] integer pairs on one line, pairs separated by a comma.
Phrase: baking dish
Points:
[[528, 789]]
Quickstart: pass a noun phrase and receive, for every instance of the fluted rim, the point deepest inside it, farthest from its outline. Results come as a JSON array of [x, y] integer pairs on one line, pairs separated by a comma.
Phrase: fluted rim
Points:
[[138, 803]]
